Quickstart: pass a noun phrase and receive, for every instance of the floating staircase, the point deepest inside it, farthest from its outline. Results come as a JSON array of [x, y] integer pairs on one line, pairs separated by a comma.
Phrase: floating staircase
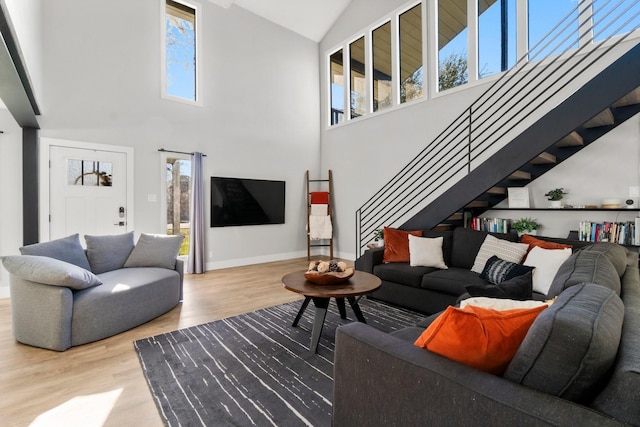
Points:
[[467, 169]]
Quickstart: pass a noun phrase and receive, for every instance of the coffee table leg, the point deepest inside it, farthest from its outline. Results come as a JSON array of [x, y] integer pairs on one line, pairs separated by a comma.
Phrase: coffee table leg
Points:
[[305, 303], [341, 308], [318, 321], [356, 309]]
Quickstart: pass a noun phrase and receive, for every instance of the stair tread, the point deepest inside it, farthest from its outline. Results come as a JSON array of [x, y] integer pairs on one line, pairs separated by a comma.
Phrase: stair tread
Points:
[[631, 98], [544, 159], [604, 118], [571, 140], [520, 175], [477, 204], [497, 190]]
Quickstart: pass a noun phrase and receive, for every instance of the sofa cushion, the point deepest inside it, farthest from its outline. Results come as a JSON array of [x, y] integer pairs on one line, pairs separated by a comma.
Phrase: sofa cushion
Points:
[[617, 254], [544, 244], [447, 242], [585, 266], [402, 272], [106, 253], [466, 244], [155, 250], [546, 263], [451, 281], [572, 345], [396, 244], [66, 249], [481, 338], [127, 298], [426, 252], [508, 251], [519, 288], [50, 271], [497, 270]]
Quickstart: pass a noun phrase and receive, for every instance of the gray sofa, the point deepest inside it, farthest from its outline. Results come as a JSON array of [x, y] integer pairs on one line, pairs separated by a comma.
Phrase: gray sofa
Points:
[[430, 290], [579, 363], [64, 296]]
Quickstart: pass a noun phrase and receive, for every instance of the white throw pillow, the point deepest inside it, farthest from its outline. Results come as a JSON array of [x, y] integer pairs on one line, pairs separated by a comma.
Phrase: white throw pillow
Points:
[[546, 263], [500, 304], [426, 252], [503, 249]]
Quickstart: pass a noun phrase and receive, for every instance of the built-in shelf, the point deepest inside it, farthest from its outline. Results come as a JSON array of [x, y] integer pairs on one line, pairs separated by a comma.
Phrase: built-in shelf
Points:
[[568, 209]]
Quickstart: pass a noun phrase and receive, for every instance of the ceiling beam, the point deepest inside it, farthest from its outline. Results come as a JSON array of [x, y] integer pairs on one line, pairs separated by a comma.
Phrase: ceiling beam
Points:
[[15, 88]]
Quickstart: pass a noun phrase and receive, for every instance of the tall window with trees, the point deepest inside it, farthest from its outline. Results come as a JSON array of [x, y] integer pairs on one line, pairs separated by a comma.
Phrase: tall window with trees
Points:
[[336, 71], [180, 53], [411, 70], [358, 75], [452, 44], [178, 175], [382, 68]]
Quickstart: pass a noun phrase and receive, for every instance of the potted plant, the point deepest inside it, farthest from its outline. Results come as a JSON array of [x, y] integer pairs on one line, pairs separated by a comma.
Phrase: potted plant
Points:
[[378, 237], [525, 226], [555, 197]]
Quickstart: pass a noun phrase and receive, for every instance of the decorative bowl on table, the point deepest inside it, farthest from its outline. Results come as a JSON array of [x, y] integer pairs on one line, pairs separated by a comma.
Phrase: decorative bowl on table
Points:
[[328, 272]]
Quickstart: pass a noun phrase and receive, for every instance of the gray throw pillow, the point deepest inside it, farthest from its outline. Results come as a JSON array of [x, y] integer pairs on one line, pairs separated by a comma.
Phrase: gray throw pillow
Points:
[[585, 267], [571, 346], [66, 249], [50, 271], [108, 253], [155, 250]]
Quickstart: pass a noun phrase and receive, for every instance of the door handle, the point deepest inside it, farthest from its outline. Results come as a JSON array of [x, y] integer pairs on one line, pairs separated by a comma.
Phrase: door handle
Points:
[[121, 224]]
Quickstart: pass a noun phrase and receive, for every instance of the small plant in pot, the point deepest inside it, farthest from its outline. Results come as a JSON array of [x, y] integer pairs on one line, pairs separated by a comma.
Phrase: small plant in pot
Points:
[[555, 197], [525, 226], [378, 237]]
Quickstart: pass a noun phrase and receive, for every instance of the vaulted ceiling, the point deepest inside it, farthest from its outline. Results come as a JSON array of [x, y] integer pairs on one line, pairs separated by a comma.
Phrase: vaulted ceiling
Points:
[[310, 18]]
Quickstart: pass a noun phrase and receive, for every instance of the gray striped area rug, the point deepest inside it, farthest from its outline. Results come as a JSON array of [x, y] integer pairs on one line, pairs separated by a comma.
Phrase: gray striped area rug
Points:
[[253, 369]]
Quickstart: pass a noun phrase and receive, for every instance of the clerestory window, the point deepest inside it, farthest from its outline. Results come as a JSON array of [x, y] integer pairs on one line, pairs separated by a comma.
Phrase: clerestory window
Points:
[[180, 38]]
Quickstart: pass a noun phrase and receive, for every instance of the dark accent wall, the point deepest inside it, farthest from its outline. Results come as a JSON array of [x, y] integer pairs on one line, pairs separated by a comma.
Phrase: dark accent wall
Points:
[[30, 188]]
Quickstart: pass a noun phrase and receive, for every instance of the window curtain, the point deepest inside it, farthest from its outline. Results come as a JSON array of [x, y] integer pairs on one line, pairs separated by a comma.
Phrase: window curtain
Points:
[[196, 260]]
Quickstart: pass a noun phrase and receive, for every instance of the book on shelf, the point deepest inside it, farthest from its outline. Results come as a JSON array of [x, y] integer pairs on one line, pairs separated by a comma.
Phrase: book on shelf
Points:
[[496, 225], [624, 233]]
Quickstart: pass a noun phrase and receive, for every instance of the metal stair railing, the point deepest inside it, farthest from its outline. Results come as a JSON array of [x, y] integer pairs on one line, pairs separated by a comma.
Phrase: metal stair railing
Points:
[[532, 85]]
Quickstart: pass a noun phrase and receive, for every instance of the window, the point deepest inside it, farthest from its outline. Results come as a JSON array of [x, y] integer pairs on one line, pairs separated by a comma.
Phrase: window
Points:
[[608, 22], [89, 173], [452, 43], [411, 76], [496, 36], [382, 74], [543, 16], [357, 74], [178, 185], [337, 87], [180, 51]]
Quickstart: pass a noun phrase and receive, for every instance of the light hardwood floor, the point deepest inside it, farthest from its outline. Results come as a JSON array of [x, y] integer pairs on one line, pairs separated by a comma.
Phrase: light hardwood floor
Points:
[[101, 383]]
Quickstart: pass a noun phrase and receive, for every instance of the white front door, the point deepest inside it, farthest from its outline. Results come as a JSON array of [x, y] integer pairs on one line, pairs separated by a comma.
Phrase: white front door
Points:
[[87, 193]]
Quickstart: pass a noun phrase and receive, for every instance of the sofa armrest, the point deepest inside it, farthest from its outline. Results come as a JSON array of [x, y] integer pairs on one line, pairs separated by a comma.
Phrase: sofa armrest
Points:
[[380, 379], [370, 259], [41, 314], [180, 269]]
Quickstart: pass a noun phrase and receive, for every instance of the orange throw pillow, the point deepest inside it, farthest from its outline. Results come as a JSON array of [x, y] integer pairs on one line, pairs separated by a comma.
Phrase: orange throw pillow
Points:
[[533, 241], [396, 244], [482, 338]]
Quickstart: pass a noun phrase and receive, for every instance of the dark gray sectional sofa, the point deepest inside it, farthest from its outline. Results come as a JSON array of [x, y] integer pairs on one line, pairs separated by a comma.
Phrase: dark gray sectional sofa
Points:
[[430, 290], [579, 363]]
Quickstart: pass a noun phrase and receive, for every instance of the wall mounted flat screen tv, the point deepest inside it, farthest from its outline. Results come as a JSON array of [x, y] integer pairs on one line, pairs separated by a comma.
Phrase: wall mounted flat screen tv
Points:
[[239, 201]]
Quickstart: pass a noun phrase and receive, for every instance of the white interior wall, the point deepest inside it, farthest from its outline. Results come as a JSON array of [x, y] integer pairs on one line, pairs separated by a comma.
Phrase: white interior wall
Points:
[[259, 117], [10, 192]]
